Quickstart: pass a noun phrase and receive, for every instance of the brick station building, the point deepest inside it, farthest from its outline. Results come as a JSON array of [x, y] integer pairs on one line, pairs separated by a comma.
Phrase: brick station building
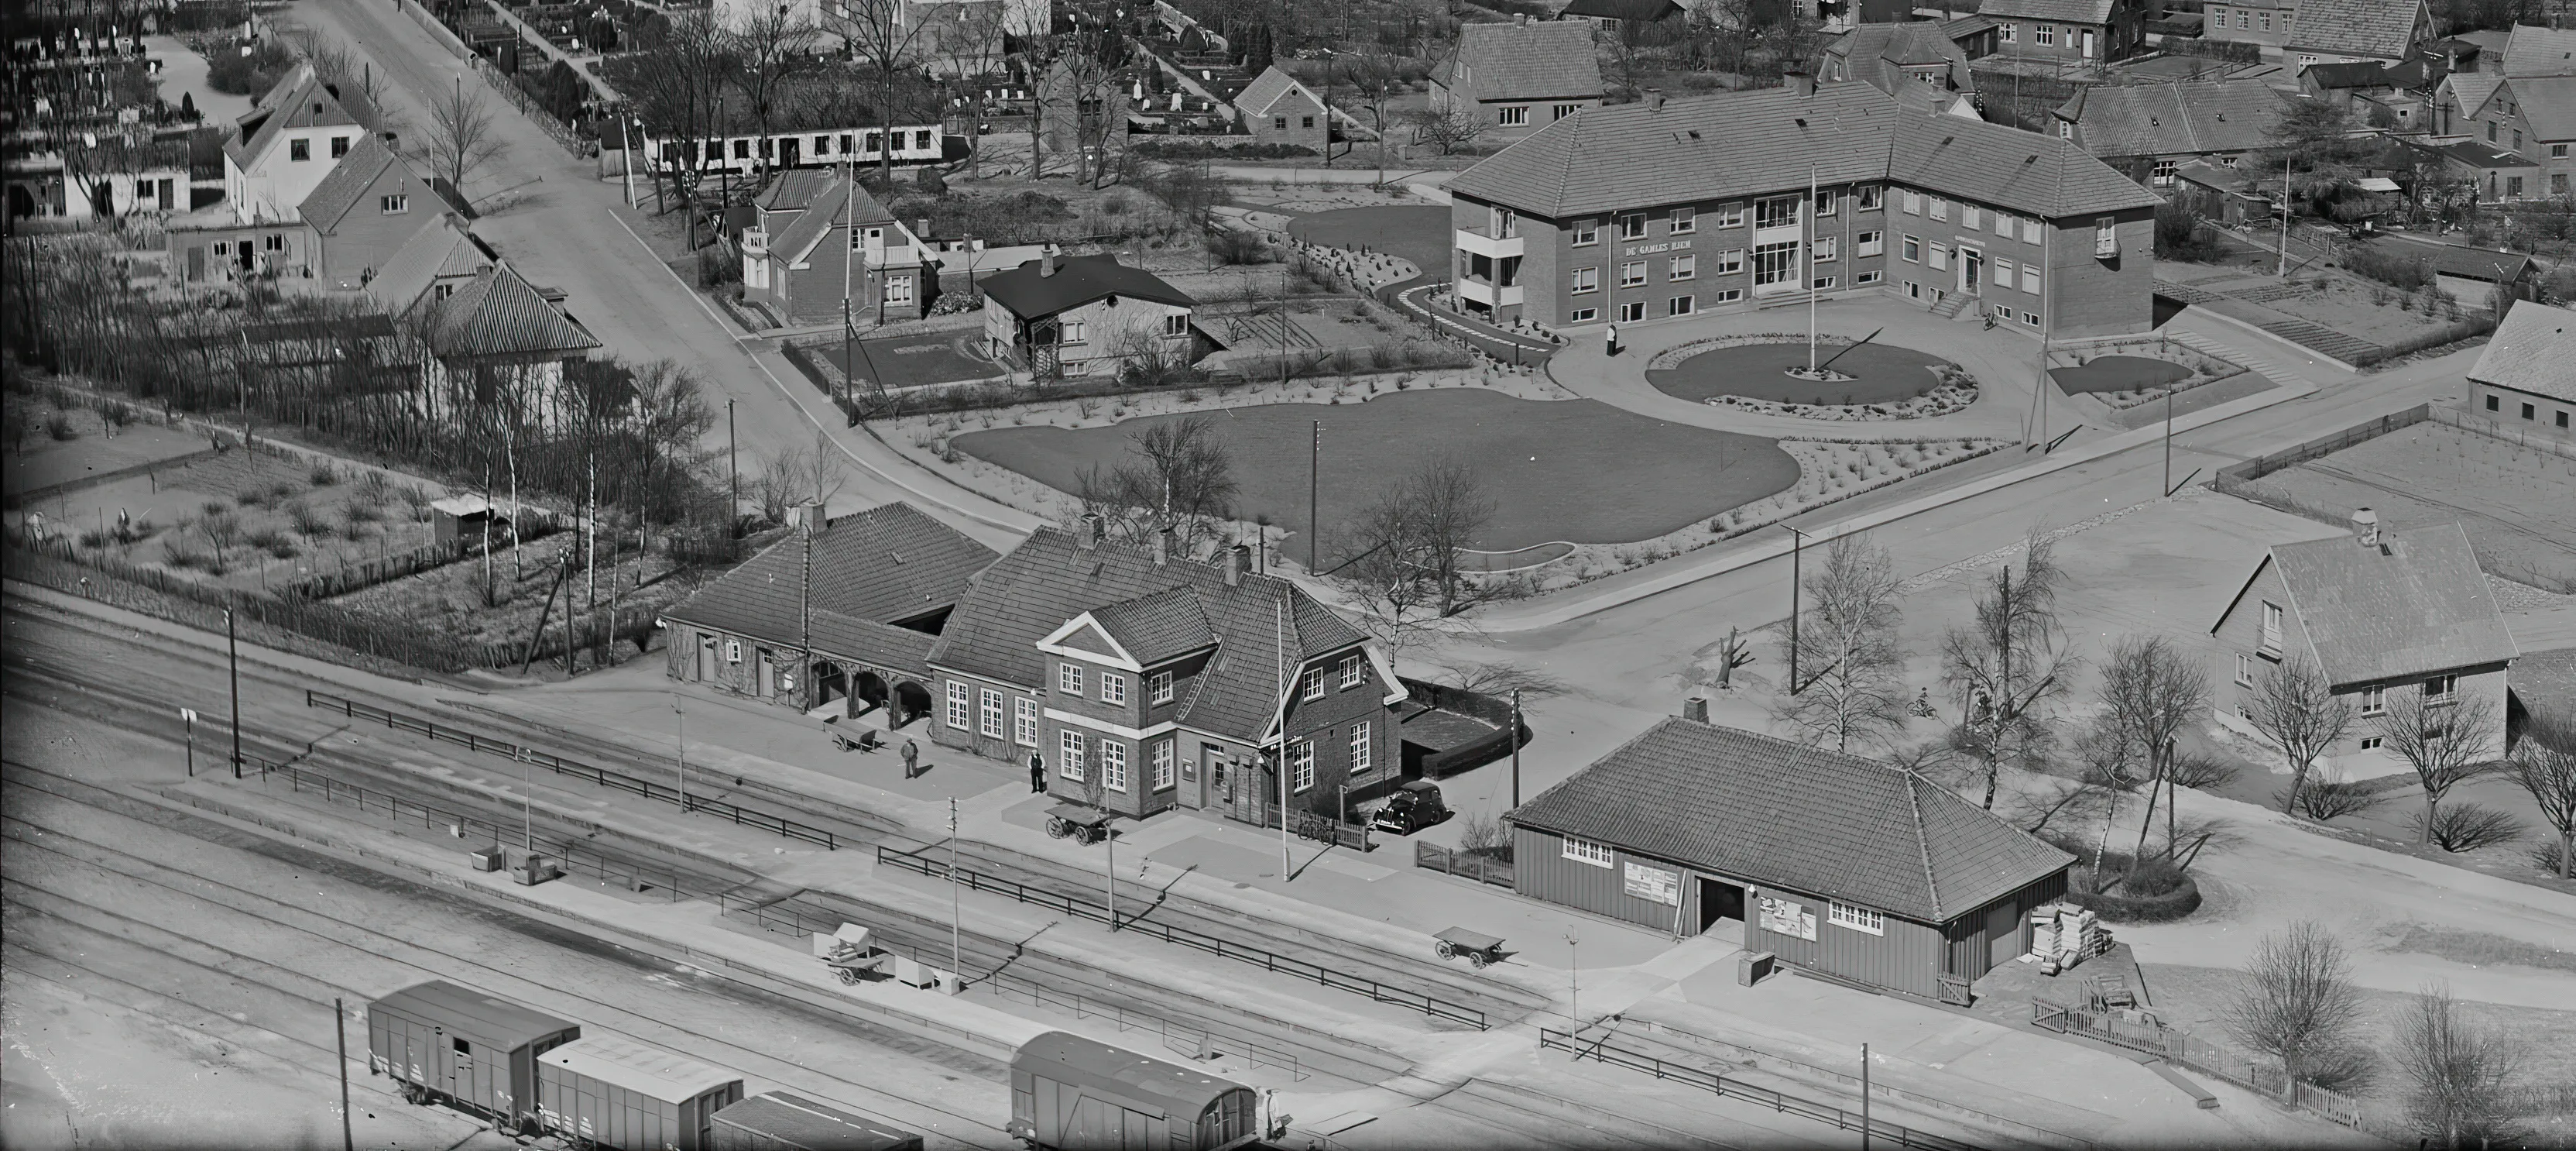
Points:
[[1668, 208]]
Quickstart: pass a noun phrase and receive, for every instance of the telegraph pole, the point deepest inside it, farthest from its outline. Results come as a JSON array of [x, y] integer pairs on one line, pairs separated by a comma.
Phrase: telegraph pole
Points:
[[340, 1018], [1314, 483], [956, 953], [232, 659], [1795, 579], [733, 476], [1516, 747]]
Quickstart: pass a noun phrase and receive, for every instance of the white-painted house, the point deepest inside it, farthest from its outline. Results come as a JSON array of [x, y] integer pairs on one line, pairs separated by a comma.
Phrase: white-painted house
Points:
[[288, 143], [1085, 315]]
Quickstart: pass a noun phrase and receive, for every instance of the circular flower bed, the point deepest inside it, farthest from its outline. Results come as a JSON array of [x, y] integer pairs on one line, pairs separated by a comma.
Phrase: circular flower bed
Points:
[[1760, 372], [2156, 892]]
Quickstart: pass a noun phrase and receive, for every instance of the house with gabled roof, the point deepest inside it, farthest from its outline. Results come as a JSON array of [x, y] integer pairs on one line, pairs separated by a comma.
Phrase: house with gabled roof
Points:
[[363, 212], [1663, 209], [438, 259], [823, 243], [1146, 681], [844, 614], [1852, 869], [2149, 131], [2533, 117], [1085, 315], [2524, 378], [2381, 612], [2072, 31], [499, 340], [1511, 79], [1918, 59], [295, 135], [1277, 108], [2387, 31], [2534, 50]]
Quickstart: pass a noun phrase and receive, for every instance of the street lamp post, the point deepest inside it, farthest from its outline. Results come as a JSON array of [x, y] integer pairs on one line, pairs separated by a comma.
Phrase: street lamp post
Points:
[[1796, 578], [1516, 747], [956, 912], [680, 749], [232, 661]]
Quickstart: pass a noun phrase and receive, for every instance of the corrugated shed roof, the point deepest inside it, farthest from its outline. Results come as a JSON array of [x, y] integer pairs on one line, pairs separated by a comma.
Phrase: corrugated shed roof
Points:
[[651, 1071], [2549, 102], [499, 314], [443, 250], [2064, 11], [1048, 580], [2179, 118], [2533, 350], [1268, 89], [1157, 627], [2415, 605], [885, 564], [1807, 819], [2538, 51], [485, 1018], [1733, 144], [1548, 59], [1078, 280], [2382, 28]]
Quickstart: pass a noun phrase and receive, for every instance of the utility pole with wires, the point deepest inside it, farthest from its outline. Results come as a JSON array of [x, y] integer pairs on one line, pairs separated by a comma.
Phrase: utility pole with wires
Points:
[[1808, 268], [2283, 269], [590, 549], [1314, 485], [733, 476], [849, 325]]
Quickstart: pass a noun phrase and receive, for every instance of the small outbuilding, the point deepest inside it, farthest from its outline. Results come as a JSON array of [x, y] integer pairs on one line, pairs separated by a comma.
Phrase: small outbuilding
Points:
[[460, 521], [2523, 377], [1839, 866]]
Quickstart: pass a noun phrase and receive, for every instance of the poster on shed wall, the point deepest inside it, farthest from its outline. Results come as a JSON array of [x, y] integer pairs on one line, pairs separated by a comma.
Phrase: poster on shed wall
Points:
[[1655, 883], [1788, 917]]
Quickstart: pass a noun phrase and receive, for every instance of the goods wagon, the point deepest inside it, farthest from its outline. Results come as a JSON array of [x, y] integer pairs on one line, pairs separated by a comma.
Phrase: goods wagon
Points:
[[1069, 1093], [455, 1044], [778, 1121], [615, 1092]]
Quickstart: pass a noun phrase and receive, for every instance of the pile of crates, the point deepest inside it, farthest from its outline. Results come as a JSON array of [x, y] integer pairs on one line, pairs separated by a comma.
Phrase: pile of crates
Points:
[[2063, 935]]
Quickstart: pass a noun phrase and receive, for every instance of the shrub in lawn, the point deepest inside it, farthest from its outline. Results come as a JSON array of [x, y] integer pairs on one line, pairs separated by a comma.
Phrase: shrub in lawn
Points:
[[116, 414], [363, 512], [374, 487], [2326, 801], [323, 475], [282, 489], [181, 555], [215, 507], [308, 520], [222, 529], [59, 426], [2468, 827], [266, 538], [93, 539], [284, 549]]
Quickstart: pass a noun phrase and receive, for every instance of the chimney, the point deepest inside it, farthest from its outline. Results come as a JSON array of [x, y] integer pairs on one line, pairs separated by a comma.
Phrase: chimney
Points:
[[1804, 82], [1521, 18], [1088, 535], [1654, 99], [1695, 709], [923, 232], [2365, 527], [1162, 547], [809, 517], [1046, 261], [1238, 559]]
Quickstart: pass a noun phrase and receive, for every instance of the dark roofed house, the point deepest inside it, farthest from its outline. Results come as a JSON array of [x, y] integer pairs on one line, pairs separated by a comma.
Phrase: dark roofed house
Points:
[[800, 264], [498, 339], [1157, 681], [2384, 613], [1843, 866], [865, 599], [2386, 31], [2526, 377], [1919, 60], [1084, 315], [363, 213], [2151, 130], [1511, 79]]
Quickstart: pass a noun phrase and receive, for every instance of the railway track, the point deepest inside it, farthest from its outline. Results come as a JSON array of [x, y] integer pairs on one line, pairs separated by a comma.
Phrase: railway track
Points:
[[44, 842]]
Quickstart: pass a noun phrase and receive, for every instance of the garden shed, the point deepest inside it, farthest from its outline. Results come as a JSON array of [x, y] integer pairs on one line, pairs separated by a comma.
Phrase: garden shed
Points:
[[1840, 866]]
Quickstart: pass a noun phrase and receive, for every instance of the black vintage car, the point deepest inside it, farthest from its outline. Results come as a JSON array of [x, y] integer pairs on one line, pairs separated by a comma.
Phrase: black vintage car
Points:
[[1415, 806]]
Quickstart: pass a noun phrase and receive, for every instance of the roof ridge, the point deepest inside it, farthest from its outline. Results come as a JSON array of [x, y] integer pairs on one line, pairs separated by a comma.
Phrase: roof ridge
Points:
[[1922, 838]]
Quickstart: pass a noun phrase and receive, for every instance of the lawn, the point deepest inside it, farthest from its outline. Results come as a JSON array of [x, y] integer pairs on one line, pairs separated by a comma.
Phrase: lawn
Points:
[[1573, 470], [2518, 504], [905, 361], [1416, 232], [1881, 374], [2352, 309], [2107, 374]]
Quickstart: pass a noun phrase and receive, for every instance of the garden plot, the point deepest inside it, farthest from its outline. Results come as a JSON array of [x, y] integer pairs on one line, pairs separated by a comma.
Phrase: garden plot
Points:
[[2517, 503], [462, 602], [53, 444], [2383, 316]]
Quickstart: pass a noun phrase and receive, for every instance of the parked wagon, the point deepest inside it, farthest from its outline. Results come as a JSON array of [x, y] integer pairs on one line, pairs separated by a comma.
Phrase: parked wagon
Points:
[[778, 1121], [610, 1091], [1479, 948], [460, 1046], [1069, 1093], [1078, 823]]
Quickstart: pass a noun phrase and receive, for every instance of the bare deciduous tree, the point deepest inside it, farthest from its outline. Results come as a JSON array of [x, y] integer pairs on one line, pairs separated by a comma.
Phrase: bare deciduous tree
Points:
[[1847, 648], [2448, 741], [2458, 1073], [772, 44], [799, 476], [462, 139], [1447, 129], [2547, 769], [1370, 80], [1404, 551], [2008, 670], [1180, 475], [676, 82], [2295, 708], [1499, 678], [2298, 1002], [889, 46], [2151, 691]]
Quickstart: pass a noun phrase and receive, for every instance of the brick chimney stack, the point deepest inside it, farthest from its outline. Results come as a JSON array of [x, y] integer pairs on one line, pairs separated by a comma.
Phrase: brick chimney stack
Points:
[[1695, 709], [2365, 527], [1238, 559]]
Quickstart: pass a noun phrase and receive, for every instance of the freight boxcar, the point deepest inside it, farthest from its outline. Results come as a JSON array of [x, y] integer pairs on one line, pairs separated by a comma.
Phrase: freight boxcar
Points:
[[778, 1121], [1069, 1093], [458, 1045], [615, 1092]]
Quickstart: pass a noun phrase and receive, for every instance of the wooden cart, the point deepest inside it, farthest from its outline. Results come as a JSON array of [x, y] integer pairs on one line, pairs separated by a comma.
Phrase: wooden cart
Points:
[[1479, 948], [1078, 823]]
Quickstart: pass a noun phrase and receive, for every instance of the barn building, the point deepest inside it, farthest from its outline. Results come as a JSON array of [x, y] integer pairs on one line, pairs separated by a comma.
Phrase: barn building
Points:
[[1839, 866]]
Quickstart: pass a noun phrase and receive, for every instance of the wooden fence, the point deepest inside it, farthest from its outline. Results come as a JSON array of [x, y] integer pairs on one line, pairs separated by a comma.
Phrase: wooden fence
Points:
[[2233, 478], [2142, 1032], [1480, 868]]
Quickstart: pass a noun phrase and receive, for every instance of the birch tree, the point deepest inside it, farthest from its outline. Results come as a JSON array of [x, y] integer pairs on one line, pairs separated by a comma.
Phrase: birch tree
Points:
[[1846, 645], [2008, 669]]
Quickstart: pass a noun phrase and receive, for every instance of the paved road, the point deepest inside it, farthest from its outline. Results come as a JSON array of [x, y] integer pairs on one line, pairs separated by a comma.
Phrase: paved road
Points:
[[570, 231]]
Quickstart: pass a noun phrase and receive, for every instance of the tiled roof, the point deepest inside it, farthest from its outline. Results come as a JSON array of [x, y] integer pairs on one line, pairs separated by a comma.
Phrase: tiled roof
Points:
[[442, 251], [2533, 350], [1966, 26], [1877, 55], [348, 181], [825, 212], [2537, 51], [2549, 102], [2063, 11], [2175, 119], [796, 188], [2473, 89], [501, 316], [1732, 144], [2413, 606], [1078, 280], [885, 564], [1268, 89], [1049, 579], [2210, 175], [1641, 10], [1807, 819], [2480, 155], [298, 101], [2382, 28], [1534, 61], [1157, 627]]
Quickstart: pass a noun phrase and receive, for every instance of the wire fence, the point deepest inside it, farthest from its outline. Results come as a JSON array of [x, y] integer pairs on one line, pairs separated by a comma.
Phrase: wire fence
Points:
[[1267, 960], [2268, 1079], [1879, 1130]]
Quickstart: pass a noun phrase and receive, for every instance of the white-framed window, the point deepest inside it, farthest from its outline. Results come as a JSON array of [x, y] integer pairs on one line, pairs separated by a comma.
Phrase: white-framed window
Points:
[[2558, 151], [2271, 626], [1869, 244], [394, 205], [2043, 33], [1585, 851], [1561, 111], [2030, 318], [1856, 918], [1024, 721], [1313, 687], [1068, 678], [1871, 197], [1869, 277], [1940, 208], [1301, 765], [1776, 212], [1363, 749], [299, 150], [733, 651], [1730, 216], [2105, 233], [1826, 201], [1068, 754], [1158, 687], [1632, 311], [1828, 248], [1912, 250], [1582, 315], [1726, 295], [898, 289], [1352, 671], [1727, 263], [1685, 221], [339, 146], [1515, 117], [960, 708], [2244, 670], [1773, 263], [1969, 217], [1632, 273], [1113, 687], [1073, 333], [1824, 283], [1940, 257], [1912, 202], [2030, 282], [2442, 689], [2011, 33], [1680, 306], [1586, 280], [2004, 224], [2001, 273], [2370, 743], [2030, 230], [1632, 226], [1586, 232], [989, 715], [1163, 756], [1176, 324], [2374, 701], [1113, 765]]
